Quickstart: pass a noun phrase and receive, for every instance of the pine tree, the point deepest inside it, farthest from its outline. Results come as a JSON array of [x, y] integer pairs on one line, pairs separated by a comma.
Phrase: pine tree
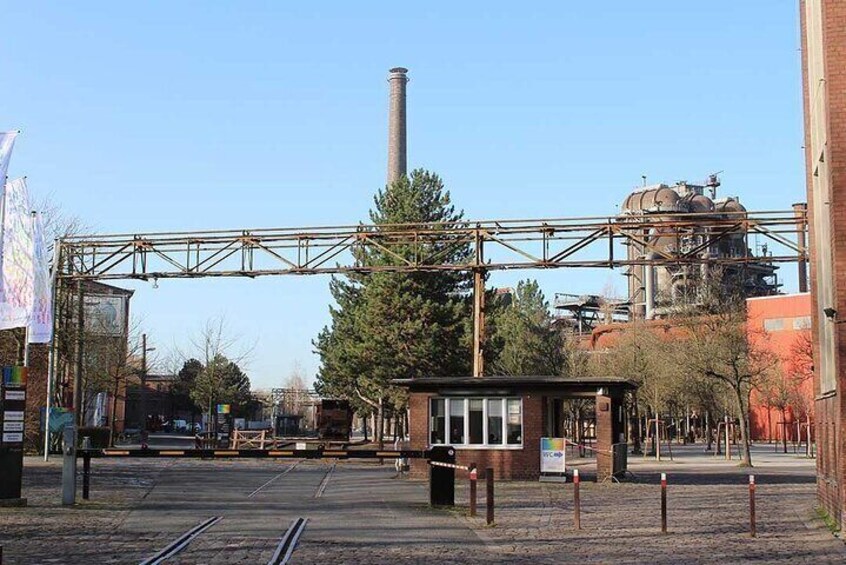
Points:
[[523, 340], [386, 325]]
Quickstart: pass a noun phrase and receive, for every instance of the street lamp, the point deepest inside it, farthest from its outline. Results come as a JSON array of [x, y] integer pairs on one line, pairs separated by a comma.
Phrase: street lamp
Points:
[[143, 400]]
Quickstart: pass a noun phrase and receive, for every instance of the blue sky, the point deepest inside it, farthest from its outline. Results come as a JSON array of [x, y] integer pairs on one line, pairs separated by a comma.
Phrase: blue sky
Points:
[[193, 115]]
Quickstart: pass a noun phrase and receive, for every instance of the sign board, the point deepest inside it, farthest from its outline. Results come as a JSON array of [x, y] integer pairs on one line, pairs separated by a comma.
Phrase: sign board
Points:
[[12, 408], [104, 315], [223, 408], [552, 455]]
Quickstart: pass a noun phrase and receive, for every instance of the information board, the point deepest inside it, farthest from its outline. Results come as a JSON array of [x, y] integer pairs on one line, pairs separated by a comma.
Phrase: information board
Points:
[[552, 455]]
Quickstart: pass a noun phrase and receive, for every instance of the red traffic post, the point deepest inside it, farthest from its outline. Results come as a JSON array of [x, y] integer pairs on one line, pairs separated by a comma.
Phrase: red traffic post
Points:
[[753, 529], [473, 477], [577, 512], [664, 503]]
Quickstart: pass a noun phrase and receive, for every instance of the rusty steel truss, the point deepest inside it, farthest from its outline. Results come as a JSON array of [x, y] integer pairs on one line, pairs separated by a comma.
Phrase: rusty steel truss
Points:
[[495, 244], [599, 242]]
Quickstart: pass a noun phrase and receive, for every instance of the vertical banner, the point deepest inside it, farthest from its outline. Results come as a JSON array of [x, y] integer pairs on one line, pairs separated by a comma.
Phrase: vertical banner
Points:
[[41, 322], [17, 263], [7, 142]]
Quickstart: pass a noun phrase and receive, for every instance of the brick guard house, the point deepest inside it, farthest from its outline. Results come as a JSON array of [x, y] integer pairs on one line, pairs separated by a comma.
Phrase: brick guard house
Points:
[[498, 422]]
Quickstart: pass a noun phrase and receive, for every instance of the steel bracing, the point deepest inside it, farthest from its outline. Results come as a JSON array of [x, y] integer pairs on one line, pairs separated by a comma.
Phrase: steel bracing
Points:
[[494, 244]]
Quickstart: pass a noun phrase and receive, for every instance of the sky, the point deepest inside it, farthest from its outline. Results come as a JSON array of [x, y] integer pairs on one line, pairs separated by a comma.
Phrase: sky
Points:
[[153, 116]]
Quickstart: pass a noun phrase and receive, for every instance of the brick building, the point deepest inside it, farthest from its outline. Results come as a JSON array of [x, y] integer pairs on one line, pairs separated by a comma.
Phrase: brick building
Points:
[[784, 321], [498, 422], [823, 30]]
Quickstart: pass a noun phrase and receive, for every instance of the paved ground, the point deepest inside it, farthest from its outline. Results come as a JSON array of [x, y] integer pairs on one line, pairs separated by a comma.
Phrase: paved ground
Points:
[[358, 514], [708, 502]]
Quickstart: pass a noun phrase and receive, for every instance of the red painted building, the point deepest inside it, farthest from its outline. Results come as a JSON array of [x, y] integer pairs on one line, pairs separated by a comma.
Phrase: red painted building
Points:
[[783, 323], [786, 399]]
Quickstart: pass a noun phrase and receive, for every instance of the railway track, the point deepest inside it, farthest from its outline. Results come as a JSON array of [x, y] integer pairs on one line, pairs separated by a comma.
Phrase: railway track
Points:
[[288, 542], [181, 542], [322, 487], [268, 483]]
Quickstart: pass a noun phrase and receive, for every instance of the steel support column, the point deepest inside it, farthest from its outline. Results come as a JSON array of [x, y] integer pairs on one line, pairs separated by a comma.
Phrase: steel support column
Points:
[[478, 322]]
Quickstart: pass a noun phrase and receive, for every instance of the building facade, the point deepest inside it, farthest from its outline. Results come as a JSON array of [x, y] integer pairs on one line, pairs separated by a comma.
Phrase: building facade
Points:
[[823, 30]]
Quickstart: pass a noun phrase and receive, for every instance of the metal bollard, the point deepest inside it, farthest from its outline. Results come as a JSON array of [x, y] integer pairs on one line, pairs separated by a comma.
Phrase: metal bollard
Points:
[[577, 511], [664, 503], [69, 466], [489, 479], [473, 476], [86, 475], [752, 526]]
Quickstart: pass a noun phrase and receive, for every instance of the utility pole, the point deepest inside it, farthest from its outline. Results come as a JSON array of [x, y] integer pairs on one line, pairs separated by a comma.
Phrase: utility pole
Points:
[[142, 404]]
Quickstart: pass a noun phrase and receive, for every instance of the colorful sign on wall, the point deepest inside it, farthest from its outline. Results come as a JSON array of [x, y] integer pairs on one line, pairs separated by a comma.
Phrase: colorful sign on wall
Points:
[[14, 376], [223, 408]]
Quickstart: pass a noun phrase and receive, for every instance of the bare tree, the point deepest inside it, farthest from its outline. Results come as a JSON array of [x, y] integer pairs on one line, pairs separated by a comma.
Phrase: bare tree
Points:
[[718, 344], [218, 350]]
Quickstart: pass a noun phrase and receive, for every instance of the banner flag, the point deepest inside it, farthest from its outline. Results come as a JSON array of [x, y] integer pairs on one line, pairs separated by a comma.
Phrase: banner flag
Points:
[[41, 322], [7, 142], [17, 266]]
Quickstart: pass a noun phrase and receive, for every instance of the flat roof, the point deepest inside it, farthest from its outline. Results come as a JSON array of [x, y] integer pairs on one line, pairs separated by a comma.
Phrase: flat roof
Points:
[[502, 383]]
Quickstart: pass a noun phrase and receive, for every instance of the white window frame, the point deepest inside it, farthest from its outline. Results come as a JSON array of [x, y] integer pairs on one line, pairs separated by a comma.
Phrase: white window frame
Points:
[[485, 445]]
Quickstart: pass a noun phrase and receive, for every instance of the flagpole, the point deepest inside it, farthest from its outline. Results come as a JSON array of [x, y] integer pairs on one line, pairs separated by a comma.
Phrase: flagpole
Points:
[[51, 357]]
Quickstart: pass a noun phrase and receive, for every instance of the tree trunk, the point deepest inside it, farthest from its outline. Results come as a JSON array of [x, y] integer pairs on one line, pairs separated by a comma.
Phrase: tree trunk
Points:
[[708, 438], [808, 451], [380, 421], [636, 431], [114, 415], [784, 428], [746, 454]]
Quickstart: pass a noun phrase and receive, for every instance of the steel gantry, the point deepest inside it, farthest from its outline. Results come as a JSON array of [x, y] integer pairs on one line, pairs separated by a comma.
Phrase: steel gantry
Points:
[[598, 242]]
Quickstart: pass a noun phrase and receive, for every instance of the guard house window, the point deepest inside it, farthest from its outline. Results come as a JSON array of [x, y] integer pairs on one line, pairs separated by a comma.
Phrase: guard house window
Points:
[[476, 421], [456, 421], [481, 422], [437, 424], [515, 419], [495, 421]]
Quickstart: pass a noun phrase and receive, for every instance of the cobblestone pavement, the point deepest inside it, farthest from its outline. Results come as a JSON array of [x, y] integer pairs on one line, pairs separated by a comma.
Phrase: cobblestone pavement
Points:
[[138, 507], [708, 515], [364, 516]]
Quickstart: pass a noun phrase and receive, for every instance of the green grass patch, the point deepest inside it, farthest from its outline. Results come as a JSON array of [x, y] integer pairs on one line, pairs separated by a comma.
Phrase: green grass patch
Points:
[[826, 518]]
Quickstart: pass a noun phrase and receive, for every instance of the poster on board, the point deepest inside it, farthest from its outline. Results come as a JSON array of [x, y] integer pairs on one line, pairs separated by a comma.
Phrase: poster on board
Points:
[[552, 455]]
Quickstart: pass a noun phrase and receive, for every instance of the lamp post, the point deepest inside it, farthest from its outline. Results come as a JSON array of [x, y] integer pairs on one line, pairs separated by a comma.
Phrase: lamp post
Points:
[[143, 399]]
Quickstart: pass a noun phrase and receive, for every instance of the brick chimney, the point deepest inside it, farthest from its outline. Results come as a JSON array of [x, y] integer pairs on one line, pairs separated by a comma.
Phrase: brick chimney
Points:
[[397, 160]]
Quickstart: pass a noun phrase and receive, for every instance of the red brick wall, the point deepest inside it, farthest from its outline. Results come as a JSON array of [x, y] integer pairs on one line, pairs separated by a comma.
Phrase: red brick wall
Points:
[[830, 411], [521, 464]]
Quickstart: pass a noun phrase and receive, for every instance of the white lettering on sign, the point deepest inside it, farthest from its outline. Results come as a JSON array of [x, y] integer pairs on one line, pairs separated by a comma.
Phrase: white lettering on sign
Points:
[[15, 395], [14, 416], [13, 426], [12, 438]]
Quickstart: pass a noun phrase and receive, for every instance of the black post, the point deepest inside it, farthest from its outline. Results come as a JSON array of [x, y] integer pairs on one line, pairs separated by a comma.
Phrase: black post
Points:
[[442, 479], [86, 474], [664, 503], [489, 482]]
